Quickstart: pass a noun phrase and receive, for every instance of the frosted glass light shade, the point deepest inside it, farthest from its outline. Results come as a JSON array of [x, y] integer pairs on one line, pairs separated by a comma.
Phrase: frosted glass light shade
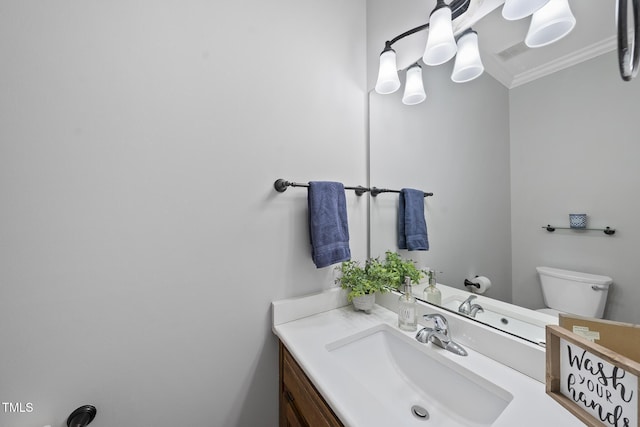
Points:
[[413, 87], [388, 80], [468, 65], [549, 24], [441, 46], [518, 9]]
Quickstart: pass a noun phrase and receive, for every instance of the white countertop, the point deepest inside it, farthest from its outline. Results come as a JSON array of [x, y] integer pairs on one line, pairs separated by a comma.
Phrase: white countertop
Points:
[[307, 338]]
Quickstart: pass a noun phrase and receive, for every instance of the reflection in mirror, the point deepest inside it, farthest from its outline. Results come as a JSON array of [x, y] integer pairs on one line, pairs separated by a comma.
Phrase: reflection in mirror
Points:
[[502, 163], [518, 321]]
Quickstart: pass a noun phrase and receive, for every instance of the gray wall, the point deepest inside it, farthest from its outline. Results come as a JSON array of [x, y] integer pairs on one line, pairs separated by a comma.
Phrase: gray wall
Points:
[[141, 240], [574, 149]]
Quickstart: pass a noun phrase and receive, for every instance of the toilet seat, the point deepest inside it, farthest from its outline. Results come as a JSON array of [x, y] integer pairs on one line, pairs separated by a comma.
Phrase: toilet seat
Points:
[[549, 311]]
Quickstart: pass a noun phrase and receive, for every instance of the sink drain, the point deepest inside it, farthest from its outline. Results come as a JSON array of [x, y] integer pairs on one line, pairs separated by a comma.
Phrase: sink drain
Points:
[[420, 412]]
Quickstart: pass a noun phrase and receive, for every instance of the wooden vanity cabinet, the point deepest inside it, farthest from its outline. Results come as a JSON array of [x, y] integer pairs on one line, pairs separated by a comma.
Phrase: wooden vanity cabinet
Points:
[[300, 403]]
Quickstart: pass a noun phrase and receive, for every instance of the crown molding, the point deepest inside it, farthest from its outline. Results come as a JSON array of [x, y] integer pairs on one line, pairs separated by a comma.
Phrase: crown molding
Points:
[[581, 55]]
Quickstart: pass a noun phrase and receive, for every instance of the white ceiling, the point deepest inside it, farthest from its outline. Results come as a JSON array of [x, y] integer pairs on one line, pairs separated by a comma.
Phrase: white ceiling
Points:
[[510, 61]]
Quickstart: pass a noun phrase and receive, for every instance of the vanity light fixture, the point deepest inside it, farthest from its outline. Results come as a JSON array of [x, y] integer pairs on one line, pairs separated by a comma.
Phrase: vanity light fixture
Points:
[[388, 80], [518, 9], [551, 21], [441, 45], [468, 65], [413, 88]]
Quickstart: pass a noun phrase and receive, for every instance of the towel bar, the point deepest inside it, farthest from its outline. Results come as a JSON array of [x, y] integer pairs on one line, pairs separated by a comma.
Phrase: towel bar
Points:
[[375, 191], [281, 186]]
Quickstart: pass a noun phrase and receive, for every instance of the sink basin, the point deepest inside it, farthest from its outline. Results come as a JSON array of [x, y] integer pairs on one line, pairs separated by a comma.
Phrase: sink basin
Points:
[[509, 322], [400, 373]]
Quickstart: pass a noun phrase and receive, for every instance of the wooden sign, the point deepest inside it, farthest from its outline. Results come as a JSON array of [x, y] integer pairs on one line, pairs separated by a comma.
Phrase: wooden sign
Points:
[[596, 384], [623, 338]]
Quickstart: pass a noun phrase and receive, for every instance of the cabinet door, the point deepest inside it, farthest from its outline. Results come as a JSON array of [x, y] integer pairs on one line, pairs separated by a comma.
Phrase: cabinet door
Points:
[[298, 395], [291, 418]]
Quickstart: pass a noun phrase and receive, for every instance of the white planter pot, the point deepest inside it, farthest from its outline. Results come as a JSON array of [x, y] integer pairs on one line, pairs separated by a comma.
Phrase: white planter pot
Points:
[[364, 302]]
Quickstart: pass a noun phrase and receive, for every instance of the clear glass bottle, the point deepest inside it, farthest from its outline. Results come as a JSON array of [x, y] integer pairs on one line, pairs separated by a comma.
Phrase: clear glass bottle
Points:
[[407, 316], [431, 293]]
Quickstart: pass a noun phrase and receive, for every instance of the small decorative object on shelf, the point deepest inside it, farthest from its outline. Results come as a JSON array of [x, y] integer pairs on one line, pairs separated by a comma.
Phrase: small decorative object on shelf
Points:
[[578, 220], [607, 230]]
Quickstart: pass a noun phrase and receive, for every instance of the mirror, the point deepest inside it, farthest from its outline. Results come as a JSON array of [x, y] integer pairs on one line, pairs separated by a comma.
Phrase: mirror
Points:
[[503, 163]]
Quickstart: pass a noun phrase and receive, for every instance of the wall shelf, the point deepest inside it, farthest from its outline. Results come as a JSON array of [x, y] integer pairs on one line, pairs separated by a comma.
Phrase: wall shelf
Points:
[[607, 230]]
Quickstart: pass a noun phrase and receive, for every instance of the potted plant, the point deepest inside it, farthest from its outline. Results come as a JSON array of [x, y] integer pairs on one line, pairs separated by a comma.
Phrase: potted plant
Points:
[[398, 268], [364, 282]]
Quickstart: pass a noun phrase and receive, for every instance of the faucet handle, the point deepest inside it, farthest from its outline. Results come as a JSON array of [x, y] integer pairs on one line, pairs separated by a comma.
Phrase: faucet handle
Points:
[[439, 321], [439, 338], [465, 307]]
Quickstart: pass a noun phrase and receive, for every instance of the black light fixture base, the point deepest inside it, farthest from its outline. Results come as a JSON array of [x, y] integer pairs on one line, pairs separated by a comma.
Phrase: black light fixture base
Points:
[[82, 416]]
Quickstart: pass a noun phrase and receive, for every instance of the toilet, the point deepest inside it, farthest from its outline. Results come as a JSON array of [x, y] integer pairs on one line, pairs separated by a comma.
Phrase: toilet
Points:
[[573, 292]]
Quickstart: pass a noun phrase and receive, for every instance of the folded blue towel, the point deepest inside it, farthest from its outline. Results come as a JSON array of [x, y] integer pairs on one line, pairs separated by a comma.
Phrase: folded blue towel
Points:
[[412, 227], [328, 225]]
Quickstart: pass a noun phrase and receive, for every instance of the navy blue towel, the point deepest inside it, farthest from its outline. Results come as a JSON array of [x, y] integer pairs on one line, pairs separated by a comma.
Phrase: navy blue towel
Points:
[[328, 225], [412, 227]]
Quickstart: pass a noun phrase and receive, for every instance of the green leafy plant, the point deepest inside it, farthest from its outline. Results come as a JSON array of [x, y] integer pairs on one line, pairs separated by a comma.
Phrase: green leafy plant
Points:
[[371, 278], [399, 268], [376, 275]]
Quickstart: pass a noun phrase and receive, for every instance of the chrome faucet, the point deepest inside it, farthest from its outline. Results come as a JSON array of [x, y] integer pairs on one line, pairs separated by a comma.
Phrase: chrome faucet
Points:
[[470, 309], [439, 334]]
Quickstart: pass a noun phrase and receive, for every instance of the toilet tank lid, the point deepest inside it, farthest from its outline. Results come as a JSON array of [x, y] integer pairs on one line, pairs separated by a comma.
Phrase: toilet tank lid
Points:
[[575, 275]]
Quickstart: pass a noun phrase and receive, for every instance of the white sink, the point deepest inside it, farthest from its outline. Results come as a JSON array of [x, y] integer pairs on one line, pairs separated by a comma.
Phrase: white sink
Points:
[[400, 372]]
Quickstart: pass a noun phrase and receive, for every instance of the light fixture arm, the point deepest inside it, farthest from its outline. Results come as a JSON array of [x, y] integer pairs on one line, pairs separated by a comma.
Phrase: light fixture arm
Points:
[[465, 32], [458, 7]]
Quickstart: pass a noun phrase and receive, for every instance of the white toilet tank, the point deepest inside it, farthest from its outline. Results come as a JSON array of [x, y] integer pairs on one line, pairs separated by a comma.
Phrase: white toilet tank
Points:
[[574, 292]]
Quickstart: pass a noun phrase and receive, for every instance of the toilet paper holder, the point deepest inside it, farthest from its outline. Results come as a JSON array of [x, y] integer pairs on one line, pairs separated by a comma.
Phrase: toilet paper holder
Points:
[[468, 282], [82, 416], [480, 283]]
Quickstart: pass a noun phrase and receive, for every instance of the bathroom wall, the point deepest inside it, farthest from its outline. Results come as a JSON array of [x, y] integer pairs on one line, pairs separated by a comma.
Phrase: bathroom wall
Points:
[[456, 145], [141, 240], [574, 149]]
